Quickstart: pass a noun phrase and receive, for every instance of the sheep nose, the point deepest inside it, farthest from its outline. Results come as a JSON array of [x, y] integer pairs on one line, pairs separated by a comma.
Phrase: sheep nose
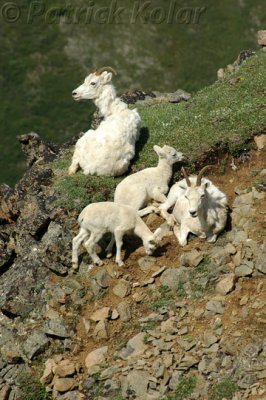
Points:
[[74, 93], [193, 213]]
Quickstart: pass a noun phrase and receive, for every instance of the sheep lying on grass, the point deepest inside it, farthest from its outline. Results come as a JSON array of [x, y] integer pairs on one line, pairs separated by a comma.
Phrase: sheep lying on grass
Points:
[[108, 149], [199, 207], [99, 218]]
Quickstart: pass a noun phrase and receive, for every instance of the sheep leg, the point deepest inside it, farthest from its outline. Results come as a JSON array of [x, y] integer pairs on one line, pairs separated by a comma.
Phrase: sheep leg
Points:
[[147, 210], [211, 238], [110, 246], [74, 167], [90, 247], [119, 242], [181, 234], [159, 196], [82, 235]]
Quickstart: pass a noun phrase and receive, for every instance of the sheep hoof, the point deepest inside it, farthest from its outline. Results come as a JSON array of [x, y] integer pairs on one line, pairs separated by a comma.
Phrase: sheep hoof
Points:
[[71, 171], [90, 267], [120, 263], [212, 239], [75, 266], [109, 255]]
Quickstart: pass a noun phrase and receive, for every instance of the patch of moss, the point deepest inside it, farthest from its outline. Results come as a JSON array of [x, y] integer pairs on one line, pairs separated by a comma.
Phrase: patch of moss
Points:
[[223, 390]]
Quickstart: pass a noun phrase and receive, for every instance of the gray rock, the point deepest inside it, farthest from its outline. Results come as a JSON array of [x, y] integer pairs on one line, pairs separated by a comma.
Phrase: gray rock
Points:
[[209, 339], [226, 285], [243, 270], [124, 311], [243, 200], [36, 343], [187, 362], [135, 347], [56, 327], [215, 306], [136, 383], [220, 255], [111, 386], [174, 380], [109, 372], [122, 289], [191, 259], [172, 277], [261, 261], [103, 278], [146, 263], [239, 237], [208, 365], [246, 381]]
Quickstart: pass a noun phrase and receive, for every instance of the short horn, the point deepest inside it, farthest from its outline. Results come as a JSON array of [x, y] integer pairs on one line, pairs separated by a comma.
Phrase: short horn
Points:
[[108, 69], [201, 173], [184, 172]]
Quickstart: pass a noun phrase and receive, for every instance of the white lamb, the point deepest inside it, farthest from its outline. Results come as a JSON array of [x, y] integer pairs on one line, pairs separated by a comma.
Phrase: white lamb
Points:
[[199, 207], [99, 218], [138, 189], [108, 149]]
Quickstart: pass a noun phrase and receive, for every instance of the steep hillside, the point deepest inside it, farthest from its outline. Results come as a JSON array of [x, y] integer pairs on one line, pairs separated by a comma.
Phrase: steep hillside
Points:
[[187, 323]]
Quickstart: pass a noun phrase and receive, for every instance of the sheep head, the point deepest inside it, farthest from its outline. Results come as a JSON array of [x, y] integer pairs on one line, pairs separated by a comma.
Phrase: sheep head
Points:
[[93, 84], [169, 153], [195, 191]]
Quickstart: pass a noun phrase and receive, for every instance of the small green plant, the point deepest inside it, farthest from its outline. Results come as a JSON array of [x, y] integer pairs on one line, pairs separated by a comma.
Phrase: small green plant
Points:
[[180, 291], [185, 387], [145, 339], [31, 388], [147, 327], [223, 390]]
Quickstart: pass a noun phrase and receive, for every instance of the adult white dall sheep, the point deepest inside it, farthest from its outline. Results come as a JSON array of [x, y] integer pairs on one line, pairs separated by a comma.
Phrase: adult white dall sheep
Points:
[[199, 207], [99, 218], [108, 149]]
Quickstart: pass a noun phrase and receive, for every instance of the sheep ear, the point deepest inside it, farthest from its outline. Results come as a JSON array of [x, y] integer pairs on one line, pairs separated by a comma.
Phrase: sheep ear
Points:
[[183, 187], [107, 77], [159, 151]]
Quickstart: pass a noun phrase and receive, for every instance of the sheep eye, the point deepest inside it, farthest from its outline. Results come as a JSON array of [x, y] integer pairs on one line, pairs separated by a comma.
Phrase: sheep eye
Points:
[[93, 83], [203, 195]]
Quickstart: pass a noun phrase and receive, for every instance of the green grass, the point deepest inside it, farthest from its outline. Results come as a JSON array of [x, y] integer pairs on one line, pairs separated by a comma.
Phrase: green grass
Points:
[[221, 116], [184, 389], [223, 390], [31, 388], [164, 299]]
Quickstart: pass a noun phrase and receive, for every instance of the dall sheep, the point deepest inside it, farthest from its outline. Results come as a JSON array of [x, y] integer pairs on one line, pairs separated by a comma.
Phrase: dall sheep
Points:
[[138, 189], [108, 149], [199, 207], [99, 218]]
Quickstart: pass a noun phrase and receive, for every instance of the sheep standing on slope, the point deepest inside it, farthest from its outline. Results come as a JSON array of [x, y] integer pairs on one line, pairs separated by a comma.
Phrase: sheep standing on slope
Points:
[[149, 184], [108, 149], [99, 218], [138, 189], [200, 208]]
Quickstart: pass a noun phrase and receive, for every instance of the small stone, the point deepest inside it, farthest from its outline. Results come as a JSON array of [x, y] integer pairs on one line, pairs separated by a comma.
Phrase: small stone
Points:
[[191, 259], [86, 324], [159, 272], [215, 306], [243, 301], [147, 282], [124, 311], [226, 285], [101, 314], [135, 347], [36, 343], [56, 328], [209, 339], [122, 289], [96, 357], [220, 74], [115, 314], [65, 368], [103, 278], [187, 362], [100, 331], [230, 249], [48, 373], [169, 326], [243, 270], [146, 263], [135, 383], [65, 384], [172, 277], [263, 172]]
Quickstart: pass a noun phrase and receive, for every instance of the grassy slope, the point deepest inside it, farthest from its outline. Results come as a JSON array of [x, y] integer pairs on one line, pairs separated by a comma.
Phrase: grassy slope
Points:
[[41, 63], [226, 113]]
